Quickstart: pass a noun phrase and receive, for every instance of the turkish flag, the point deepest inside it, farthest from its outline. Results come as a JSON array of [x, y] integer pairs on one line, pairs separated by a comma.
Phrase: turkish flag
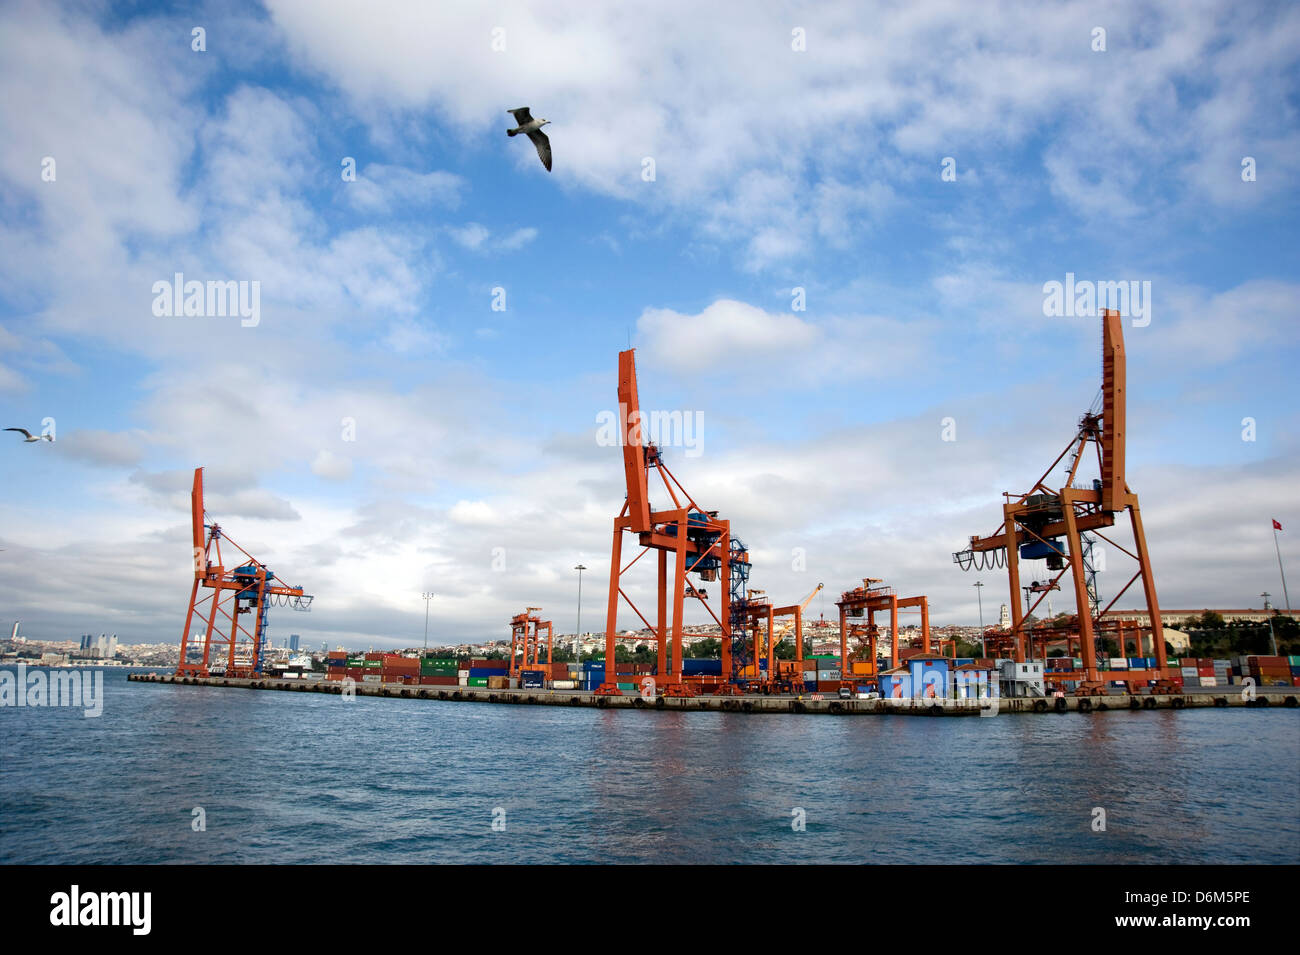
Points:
[[1277, 526]]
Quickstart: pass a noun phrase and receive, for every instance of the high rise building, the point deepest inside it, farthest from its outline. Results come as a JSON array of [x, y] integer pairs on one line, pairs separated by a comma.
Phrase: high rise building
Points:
[[293, 643], [1004, 618]]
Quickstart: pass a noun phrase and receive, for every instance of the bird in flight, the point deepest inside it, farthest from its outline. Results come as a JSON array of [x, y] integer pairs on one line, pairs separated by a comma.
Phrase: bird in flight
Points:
[[28, 437], [533, 128]]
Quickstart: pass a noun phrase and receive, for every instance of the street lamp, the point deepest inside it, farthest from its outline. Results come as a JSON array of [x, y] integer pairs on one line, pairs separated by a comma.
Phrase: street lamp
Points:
[[577, 636], [1271, 636], [979, 593], [427, 597]]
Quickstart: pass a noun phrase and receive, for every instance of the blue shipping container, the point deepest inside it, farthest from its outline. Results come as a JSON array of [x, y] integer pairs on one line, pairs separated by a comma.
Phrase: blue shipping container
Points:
[[702, 667]]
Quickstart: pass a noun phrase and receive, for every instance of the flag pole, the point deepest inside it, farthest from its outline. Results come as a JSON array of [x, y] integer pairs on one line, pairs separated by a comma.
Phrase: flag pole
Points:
[[1285, 596]]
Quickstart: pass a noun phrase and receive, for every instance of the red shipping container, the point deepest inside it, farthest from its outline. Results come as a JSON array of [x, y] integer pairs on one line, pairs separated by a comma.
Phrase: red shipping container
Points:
[[829, 686], [489, 664], [438, 681], [375, 656], [1205, 671]]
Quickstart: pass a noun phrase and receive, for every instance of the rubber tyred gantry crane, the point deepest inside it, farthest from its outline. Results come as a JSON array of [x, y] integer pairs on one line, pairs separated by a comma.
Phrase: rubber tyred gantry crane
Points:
[[1047, 522], [248, 589], [868, 600], [698, 540], [526, 639]]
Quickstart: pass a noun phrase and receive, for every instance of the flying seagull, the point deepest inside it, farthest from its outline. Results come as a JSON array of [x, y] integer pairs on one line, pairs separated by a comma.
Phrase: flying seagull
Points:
[[28, 437], [533, 127]]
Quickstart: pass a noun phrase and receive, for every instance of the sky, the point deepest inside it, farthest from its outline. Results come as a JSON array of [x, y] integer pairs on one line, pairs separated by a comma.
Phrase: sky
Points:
[[826, 229]]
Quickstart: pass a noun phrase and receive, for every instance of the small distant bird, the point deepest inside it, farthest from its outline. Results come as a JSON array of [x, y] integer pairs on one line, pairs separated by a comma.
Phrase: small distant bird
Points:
[[28, 437], [533, 127]]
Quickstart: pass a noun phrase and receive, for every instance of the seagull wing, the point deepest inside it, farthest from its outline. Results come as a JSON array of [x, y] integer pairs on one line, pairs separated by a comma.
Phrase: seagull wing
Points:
[[521, 115], [543, 147], [28, 434]]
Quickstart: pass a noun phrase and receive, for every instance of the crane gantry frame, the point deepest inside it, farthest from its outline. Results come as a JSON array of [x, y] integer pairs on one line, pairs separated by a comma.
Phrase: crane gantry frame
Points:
[[1033, 522], [248, 588], [870, 599], [526, 637]]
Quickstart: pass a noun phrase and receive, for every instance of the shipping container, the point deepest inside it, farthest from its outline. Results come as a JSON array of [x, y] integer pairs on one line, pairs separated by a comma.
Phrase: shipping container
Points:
[[564, 684], [439, 680], [477, 681]]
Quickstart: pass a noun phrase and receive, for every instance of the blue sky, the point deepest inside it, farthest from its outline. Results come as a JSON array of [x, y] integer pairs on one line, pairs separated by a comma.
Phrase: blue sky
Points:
[[775, 168]]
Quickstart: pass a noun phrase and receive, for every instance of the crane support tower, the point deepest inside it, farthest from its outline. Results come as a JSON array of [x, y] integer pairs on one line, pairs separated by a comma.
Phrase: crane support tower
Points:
[[246, 591], [1050, 523], [699, 542], [526, 631]]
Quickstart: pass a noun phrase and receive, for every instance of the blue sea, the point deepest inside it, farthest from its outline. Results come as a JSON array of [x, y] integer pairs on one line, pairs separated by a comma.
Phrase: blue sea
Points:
[[302, 777]]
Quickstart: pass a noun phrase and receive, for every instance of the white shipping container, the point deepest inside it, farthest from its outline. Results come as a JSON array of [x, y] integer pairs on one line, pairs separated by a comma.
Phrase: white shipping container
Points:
[[564, 684], [1210, 681], [462, 681], [372, 678], [462, 674], [827, 675]]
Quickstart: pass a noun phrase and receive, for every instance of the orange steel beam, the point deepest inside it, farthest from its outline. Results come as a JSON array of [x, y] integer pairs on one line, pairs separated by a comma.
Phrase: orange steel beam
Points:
[[633, 440]]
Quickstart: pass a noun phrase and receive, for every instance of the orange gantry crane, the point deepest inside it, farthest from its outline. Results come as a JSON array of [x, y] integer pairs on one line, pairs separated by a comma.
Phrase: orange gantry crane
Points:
[[249, 589], [1047, 522], [868, 600], [526, 641], [699, 541]]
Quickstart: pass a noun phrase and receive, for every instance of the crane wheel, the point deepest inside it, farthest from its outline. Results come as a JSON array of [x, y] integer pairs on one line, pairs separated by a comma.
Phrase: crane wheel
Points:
[[1220, 701], [1085, 706], [1290, 701], [1149, 703], [1134, 703], [1177, 703], [1062, 705], [1040, 706]]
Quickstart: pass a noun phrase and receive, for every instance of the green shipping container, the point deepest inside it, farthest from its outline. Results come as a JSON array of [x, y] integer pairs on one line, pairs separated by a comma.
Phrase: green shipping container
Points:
[[477, 681]]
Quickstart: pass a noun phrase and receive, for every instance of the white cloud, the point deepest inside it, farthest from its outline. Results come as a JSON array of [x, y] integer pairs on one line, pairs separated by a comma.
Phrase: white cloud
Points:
[[331, 466], [478, 238]]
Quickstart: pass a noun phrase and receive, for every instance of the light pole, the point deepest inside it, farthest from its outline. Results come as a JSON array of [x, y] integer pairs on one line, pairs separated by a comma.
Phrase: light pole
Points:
[[1271, 636], [577, 636], [427, 597], [979, 593]]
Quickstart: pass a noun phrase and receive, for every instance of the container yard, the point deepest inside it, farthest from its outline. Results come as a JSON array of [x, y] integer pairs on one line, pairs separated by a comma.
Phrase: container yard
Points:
[[690, 545]]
